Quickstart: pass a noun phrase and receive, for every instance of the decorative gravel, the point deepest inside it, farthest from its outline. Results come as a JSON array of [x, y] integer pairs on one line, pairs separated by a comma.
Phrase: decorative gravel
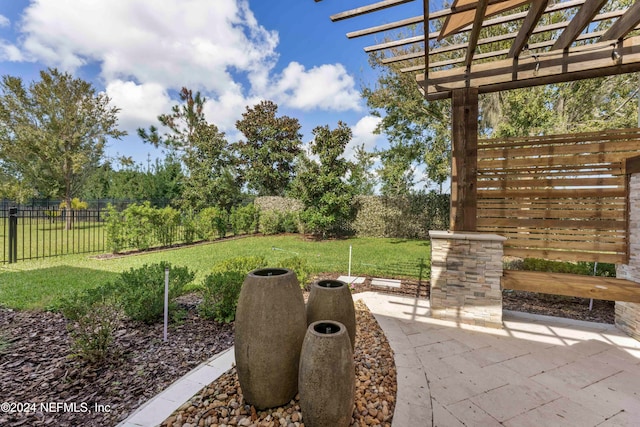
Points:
[[222, 404]]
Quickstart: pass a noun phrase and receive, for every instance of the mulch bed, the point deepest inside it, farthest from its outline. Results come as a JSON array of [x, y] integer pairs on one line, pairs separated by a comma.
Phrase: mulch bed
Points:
[[37, 365]]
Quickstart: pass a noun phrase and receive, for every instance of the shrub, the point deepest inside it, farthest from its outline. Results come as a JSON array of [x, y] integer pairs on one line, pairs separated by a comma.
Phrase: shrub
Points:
[[190, 227], [76, 204], [300, 266], [77, 304], [212, 223], [241, 265], [270, 222], [290, 222], [220, 294], [95, 319], [114, 229], [581, 267], [93, 333], [165, 223], [138, 223], [244, 219], [142, 290]]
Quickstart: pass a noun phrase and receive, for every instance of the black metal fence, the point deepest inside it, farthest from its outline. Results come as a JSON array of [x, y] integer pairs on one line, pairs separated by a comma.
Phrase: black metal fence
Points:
[[41, 231]]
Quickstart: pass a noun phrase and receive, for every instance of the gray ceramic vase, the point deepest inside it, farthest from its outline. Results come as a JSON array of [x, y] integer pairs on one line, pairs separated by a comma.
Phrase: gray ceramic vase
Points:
[[269, 330], [327, 376], [332, 300]]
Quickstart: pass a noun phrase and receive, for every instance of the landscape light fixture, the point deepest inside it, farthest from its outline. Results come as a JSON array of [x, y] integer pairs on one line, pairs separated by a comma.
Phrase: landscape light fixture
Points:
[[614, 53], [537, 59]]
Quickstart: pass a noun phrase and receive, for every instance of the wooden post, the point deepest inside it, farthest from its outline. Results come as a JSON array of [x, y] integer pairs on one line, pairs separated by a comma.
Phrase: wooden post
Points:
[[464, 165]]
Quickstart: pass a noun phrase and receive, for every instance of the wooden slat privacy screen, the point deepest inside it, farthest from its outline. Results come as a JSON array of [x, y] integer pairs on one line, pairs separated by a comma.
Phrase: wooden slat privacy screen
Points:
[[561, 197]]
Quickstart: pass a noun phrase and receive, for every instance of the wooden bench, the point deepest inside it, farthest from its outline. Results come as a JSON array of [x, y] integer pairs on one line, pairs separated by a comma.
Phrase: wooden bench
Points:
[[573, 285]]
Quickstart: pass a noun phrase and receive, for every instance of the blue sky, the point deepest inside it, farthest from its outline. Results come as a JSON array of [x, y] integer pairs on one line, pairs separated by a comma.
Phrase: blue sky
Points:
[[236, 52]]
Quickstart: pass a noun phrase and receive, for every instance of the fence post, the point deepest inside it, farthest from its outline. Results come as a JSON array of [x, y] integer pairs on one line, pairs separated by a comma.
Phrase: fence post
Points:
[[420, 277], [13, 235]]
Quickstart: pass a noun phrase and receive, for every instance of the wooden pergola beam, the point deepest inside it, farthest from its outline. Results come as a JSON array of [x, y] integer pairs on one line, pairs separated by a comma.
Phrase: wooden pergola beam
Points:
[[442, 13], [625, 24], [536, 10], [367, 9], [496, 53], [396, 43], [481, 9], [505, 37], [578, 23], [386, 27], [581, 62]]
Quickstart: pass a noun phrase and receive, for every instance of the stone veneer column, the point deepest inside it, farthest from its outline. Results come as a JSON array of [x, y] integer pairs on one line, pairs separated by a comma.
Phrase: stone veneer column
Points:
[[466, 269], [628, 313]]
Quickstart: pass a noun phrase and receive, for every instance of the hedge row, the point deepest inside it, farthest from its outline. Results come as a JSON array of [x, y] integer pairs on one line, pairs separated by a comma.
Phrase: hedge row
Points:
[[409, 217], [142, 226]]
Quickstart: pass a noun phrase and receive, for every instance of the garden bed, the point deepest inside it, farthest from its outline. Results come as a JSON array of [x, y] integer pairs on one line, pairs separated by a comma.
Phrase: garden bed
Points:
[[37, 367]]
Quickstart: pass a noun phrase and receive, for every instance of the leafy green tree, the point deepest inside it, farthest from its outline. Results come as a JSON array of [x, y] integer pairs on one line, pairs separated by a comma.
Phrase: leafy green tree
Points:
[[417, 130], [361, 177], [211, 178], [322, 185], [54, 132], [397, 169], [269, 150]]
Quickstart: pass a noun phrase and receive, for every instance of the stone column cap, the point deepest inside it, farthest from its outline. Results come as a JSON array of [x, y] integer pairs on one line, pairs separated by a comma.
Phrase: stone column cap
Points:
[[465, 235]]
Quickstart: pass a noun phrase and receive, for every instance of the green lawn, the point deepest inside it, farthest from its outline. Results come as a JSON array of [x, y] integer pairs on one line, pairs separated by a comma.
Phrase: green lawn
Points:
[[38, 284], [41, 237]]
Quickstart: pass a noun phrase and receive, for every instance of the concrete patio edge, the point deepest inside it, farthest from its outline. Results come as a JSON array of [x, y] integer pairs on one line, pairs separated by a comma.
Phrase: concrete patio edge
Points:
[[160, 407]]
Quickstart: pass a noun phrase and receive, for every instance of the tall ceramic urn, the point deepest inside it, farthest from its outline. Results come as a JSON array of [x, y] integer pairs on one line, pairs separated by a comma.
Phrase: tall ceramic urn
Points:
[[332, 300], [327, 376], [269, 329]]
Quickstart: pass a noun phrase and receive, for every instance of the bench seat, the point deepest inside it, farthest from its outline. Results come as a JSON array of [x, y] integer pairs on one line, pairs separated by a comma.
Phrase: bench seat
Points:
[[574, 285]]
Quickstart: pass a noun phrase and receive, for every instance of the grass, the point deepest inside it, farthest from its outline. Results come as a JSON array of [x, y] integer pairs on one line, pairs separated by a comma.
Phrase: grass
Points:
[[38, 237], [38, 284]]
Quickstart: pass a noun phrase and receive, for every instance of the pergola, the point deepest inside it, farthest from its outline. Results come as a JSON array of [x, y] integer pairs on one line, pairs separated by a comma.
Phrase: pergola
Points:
[[486, 46]]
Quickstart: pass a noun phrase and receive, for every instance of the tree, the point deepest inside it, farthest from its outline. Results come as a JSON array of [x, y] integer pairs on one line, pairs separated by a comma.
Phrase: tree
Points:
[[54, 132], [417, 130], [267, 155], [211, 179], [361, 178], [322, 185]]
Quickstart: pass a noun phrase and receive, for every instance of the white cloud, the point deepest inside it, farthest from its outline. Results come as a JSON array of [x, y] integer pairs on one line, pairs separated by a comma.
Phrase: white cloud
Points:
[[140, 105], [10, 52], [327, 87], [363, 134], [226, 109], [146, 49], [174, 43], [4, 21]]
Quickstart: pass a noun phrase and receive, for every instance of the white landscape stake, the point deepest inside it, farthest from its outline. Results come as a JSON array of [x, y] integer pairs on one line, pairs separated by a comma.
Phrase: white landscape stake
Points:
[[166, 301], [349, 262]]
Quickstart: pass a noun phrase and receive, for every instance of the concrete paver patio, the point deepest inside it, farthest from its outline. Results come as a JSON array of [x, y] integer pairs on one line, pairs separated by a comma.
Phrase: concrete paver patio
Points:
[[537, 371]]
